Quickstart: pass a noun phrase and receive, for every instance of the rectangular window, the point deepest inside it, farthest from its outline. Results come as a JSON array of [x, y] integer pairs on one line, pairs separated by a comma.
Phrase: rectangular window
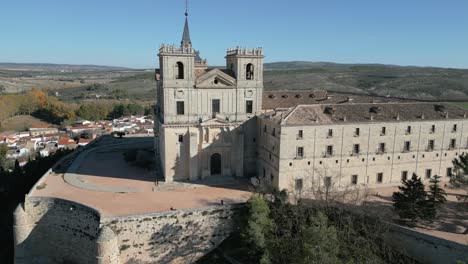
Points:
[[407, 146], [215, 106], [433, 129], [180, 108], [454, 128], [453, 143], [264, 129], [381, 148], [357, 132], [428, 173], [430, 145], [383, 131], [330, 133], [273, 132], [272, 177], [408, 130], [300, 134], [379, 177], [354, 179], [249, 106], [356, 149], [404, 175], [300, 152], [329, 151], [181, 138], [449, 172], [264, 173], [299, 184]]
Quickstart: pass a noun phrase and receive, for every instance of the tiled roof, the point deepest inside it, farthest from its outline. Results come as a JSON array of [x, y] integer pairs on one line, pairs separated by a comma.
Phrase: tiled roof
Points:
[[291, 98], [365, 112]]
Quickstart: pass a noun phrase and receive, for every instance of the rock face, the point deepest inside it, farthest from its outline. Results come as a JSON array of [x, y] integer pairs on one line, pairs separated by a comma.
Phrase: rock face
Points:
[[52, 230]]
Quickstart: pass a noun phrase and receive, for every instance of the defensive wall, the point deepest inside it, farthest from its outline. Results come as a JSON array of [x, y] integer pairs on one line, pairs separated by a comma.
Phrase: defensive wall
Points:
[[52, 230]]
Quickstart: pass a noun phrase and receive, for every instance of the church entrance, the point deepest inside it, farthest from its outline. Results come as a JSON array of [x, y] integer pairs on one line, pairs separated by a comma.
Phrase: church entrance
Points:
[[215, 163]]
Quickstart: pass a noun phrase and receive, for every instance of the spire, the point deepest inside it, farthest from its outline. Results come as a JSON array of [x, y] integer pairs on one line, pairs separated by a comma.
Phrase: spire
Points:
[[186, 36]]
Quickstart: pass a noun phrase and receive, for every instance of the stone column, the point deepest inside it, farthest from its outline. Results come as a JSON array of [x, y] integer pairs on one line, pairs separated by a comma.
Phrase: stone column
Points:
[[240, 153], [193, 156], [107, 247], [22, 227]]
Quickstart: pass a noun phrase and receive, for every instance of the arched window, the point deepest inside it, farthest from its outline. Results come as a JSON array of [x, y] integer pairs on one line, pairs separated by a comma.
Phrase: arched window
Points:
[[249, 73], [179, 70]]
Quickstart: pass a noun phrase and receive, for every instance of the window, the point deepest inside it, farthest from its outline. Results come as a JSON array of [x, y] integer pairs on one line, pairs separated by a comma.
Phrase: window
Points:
[[408, 130], [327, 182], [181, 138], [300, 134], [430, 145], [357, 132], [354, 179], [264, 173], [379, 177], [299, 184], [381, 148], [300, 152], [180, 108], [273, 133], [249, 106], [330, 133], [383, 131], [454, 128], [329, 151], [249, 72], [407, 146], [453, 143], [404, 175], [449, 172], [433, 129], [264, 129], [356, 149], [215, 106], [272, 177], [428, 173], [179, 70]]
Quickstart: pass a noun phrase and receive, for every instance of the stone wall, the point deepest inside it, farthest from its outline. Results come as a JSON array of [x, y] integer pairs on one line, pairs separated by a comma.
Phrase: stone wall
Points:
[[180, 236], [52, 230], [425, 248]]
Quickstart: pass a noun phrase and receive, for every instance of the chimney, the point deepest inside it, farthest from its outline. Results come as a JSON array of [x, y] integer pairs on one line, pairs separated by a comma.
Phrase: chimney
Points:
[[372, 117]]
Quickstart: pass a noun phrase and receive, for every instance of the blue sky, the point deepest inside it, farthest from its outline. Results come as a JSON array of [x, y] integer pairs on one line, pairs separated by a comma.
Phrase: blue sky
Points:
[[128, 32]]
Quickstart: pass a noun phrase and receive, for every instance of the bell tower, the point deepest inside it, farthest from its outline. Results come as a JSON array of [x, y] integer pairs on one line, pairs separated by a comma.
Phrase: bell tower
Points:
[[177, 70]]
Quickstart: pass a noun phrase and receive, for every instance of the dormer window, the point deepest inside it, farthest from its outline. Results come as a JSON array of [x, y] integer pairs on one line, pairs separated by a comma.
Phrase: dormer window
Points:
[[179, 70], [249, 73]]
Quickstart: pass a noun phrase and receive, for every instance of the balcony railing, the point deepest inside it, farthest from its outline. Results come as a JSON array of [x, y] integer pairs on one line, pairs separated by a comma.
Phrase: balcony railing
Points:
[[328, 154]]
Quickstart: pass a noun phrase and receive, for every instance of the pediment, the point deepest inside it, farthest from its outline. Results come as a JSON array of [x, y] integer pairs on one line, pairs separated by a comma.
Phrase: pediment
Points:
[[214, 122], [215, 79]]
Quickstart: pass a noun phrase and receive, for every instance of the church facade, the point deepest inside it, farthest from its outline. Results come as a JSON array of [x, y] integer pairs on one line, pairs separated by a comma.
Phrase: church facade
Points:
[[205, 117]]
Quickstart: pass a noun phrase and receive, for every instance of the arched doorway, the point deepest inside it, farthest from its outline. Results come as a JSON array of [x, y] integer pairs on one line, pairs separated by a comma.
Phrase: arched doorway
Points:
[[215, 164]]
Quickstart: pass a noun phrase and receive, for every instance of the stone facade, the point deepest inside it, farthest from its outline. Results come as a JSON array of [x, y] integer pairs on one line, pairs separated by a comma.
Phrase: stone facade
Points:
[[205, 118], [52, 230], [371, 153]]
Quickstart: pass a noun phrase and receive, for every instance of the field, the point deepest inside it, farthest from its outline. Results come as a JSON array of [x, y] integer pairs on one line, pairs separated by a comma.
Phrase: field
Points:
[[89, 82], [20, 123]]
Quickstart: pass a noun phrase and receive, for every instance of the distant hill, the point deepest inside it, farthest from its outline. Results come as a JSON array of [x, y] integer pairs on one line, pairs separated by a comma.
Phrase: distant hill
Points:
[[429, 83], [57, 67]]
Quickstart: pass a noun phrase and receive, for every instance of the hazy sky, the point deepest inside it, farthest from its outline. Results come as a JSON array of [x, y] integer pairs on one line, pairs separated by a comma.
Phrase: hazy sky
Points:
[[129, 32]]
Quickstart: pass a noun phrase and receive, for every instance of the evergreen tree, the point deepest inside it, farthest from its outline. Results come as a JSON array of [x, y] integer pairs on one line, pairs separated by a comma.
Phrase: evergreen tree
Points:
[[435, 198], [410, 201], [259, 225], [17, 171], [459, 176]]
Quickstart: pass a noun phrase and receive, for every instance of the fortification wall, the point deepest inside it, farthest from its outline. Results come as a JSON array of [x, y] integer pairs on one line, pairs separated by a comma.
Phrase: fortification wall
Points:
[[51, 230], [425, 248], [180, 236]]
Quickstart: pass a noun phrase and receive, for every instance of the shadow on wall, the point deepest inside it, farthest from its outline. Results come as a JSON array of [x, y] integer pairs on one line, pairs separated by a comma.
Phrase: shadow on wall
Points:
[[51, 230], [219, 152], [173, 237], [107, 158]]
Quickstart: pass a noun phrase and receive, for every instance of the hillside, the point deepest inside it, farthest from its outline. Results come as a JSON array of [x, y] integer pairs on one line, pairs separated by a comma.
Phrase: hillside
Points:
[[428, 83], [56, 67]]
